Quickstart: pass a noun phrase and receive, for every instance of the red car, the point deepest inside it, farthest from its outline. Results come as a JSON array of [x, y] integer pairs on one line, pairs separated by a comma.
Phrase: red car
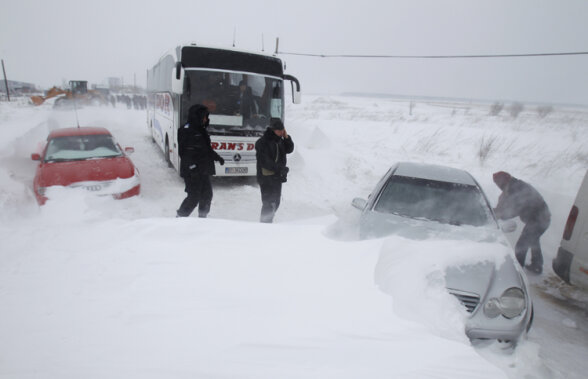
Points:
[[85, 157]]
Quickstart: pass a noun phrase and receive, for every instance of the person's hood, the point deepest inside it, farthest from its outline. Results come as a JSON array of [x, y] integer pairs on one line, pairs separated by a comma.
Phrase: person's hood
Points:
[[269, 133], [501, 179], [196, 114]]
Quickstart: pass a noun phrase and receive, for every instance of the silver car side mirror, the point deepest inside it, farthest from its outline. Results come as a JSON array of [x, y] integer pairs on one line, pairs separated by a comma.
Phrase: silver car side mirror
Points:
[[508, 226], [359, 203]]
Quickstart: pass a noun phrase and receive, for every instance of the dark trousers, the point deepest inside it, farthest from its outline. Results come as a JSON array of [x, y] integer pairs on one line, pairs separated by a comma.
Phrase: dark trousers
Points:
[[199, 190], [529, 239], [271, 193]]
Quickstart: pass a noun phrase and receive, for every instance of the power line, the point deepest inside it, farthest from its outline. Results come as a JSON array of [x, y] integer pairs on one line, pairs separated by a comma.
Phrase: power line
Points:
[[434, 56]]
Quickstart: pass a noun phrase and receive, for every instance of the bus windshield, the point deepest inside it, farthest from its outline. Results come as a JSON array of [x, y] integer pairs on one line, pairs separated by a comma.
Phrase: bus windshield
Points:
[[239, 104]]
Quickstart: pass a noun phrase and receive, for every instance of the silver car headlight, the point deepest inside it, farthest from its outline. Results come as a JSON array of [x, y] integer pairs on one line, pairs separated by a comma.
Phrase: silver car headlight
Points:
[[510, 304]]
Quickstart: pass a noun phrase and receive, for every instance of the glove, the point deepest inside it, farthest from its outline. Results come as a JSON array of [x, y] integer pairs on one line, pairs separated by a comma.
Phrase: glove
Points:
[[284, 174], [221, 161]]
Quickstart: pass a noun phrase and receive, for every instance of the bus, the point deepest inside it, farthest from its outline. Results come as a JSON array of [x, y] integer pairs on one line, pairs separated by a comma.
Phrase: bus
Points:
[[242, 90]]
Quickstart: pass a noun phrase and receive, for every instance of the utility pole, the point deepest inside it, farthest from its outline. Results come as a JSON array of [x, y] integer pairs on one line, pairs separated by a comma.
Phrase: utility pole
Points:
[[5, 81]]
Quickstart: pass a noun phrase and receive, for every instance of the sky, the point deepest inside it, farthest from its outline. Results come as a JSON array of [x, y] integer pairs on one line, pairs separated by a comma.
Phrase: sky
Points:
[[49, 43]]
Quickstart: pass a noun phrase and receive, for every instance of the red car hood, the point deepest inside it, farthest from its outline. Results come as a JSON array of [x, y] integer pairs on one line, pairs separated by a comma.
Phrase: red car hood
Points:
[[66, 173]]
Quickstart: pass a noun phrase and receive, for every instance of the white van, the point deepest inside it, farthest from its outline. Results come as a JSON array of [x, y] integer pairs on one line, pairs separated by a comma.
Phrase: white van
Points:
[[571, 263]]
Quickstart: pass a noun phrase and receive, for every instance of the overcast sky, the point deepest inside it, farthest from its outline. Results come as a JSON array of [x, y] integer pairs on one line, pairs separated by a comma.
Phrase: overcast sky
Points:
[[47, 42]]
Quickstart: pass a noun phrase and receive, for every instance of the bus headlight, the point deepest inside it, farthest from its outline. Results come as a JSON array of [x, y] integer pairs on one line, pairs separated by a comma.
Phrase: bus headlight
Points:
[[510, 304]]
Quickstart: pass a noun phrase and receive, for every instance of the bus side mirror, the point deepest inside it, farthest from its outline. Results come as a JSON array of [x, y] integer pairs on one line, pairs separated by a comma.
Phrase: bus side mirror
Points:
[[178, 83], [296, 96]]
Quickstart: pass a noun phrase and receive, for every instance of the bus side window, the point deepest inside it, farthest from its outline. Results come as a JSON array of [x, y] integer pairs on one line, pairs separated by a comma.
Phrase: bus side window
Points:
[[276, 102], [277, 91], [187, 86]]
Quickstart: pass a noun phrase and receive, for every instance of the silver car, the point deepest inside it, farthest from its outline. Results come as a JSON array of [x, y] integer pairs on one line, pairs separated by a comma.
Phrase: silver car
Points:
[[421, 200]]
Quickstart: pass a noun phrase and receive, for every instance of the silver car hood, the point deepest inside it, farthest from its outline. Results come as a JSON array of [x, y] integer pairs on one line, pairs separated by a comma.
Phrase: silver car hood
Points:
[[376, 224], [476, 278], [479, 278]]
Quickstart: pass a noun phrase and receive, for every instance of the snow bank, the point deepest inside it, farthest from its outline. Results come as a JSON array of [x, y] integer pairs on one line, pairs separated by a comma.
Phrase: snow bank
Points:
[[97, 288]]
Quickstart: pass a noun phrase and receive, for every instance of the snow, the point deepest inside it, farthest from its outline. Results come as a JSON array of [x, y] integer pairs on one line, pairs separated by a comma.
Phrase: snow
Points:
[[97, 288]]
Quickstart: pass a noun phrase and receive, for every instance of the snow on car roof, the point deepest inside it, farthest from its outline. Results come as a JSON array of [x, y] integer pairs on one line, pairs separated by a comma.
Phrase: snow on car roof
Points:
[[434, 172], [82, 131]]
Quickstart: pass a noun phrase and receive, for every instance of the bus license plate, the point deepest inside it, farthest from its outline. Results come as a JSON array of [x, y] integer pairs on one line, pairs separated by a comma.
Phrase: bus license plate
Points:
[[236, 170]]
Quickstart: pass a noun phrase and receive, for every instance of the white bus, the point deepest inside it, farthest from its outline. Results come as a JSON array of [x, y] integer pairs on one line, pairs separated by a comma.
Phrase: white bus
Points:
[[193, 74]]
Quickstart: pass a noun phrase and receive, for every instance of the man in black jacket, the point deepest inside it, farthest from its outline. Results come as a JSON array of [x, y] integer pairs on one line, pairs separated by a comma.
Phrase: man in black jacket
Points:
[[271, 150], [245, 102], [197, 162], [521, 199]]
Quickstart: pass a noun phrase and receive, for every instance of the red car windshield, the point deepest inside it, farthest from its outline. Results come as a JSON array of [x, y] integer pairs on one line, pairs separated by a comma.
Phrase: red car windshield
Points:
[[75, 148]]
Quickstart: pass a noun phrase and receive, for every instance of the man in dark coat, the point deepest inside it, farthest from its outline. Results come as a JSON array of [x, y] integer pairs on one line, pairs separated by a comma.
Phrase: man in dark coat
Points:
[[197, 162], [245, 102], [271, 150], [521, 199]]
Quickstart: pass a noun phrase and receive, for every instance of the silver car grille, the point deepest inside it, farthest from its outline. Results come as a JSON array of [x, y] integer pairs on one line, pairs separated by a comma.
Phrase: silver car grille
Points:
[[467, 299]]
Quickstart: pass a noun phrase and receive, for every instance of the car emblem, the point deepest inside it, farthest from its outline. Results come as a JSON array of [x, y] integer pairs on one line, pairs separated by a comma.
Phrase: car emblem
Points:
[[237, 157]]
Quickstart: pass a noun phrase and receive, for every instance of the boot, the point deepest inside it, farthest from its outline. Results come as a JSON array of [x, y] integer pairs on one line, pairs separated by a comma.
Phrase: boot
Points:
[[534, 268]]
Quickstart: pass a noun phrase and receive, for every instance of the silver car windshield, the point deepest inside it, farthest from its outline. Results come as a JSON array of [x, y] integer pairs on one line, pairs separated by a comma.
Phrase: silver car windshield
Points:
[[75, 148], [449, 203]]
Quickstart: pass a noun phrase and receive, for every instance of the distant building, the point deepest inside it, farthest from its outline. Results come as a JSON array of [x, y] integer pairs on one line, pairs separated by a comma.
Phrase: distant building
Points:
[[17, 87], [115, 83]]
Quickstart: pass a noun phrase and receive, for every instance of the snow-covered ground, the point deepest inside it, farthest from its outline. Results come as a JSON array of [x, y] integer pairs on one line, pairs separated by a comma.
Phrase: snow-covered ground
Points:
[[97, 288]]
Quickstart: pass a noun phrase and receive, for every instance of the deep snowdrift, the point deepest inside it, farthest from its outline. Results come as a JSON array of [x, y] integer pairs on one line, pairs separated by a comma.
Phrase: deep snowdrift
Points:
[[98, 288]]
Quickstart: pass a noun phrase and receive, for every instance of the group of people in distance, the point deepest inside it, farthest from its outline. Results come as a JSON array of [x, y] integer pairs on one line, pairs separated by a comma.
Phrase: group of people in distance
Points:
[[518, 198]]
